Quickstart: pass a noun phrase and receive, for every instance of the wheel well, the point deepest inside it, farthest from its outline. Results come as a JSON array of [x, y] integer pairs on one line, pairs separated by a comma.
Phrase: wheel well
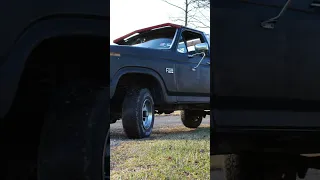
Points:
[[141, 80], [52, 63]]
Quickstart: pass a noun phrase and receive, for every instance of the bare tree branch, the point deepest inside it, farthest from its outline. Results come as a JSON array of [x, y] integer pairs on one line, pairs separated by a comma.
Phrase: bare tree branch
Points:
[[191, 9], [199, 21], [204, 4], [178, 19], [204, 16], [174, 5]]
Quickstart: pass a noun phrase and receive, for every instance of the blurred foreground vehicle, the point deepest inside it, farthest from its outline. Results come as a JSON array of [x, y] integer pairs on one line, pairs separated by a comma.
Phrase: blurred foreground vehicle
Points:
[[265, 79], [53, 89]]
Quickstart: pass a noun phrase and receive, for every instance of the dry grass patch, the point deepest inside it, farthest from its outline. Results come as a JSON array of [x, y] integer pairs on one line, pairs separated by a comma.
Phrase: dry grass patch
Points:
[[184, 154]]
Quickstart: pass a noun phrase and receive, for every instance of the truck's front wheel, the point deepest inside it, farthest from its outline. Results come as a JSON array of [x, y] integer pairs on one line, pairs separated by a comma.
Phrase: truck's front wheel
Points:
[[138, 113], [190, 118]]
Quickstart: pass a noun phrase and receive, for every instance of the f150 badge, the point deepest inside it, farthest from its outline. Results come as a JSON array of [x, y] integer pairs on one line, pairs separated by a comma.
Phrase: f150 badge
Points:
[[169, 70]]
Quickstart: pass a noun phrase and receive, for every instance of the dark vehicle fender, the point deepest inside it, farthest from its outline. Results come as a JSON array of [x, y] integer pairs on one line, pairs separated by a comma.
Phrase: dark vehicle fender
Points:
[[139, 70], [12, 68]]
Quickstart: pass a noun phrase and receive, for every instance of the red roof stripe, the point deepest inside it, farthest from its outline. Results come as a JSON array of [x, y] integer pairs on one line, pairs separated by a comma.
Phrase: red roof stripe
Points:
[[146, 29]]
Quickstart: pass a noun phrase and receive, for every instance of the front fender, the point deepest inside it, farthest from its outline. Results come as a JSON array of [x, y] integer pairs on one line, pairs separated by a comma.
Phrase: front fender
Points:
[[12, 68], [140, 70]]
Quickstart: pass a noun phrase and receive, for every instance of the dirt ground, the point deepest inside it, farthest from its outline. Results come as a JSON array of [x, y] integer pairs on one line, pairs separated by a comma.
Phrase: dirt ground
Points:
[[161, 122], [118, 136]]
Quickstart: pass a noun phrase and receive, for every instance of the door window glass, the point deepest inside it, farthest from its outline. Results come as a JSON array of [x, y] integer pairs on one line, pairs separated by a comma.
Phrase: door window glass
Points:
[[188, 40]]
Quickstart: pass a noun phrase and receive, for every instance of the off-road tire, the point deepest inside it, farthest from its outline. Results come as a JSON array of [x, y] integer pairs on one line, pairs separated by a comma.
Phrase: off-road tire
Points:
[[258, 166], [75, 134], [190, 119], [132, 113], [240, 167]]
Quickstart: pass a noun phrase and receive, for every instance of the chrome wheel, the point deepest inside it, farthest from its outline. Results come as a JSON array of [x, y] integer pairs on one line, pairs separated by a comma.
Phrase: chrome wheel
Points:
[[147, 113]]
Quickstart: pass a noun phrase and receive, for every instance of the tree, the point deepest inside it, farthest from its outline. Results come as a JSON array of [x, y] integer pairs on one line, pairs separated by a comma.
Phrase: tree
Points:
[[193, 13], [205, 4]]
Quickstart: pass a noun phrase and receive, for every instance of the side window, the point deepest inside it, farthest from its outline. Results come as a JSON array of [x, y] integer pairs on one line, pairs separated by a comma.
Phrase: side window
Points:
[[191, 43], [187, 41], [182, 46]]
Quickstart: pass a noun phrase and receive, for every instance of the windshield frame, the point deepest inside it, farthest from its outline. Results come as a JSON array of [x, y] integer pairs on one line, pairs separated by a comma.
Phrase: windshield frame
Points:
[[176, 29]]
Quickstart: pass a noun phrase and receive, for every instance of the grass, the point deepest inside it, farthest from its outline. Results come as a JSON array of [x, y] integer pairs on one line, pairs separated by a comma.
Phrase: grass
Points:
[[180, 154]]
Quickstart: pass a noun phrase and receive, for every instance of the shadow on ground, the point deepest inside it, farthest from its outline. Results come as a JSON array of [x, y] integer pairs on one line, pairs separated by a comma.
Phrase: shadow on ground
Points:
[[168, 133]]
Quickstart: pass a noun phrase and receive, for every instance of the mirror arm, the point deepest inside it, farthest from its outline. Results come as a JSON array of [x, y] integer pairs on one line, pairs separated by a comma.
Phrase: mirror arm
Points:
[[194, 68], [192, 55]]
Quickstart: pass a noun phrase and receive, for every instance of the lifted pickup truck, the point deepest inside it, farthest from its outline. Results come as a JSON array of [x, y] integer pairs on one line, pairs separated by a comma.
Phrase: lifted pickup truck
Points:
[[265, 79], [159, 69], [53, 66]]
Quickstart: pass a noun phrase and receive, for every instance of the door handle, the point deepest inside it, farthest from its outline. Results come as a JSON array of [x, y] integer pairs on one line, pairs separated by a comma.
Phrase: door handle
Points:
[[270, 23], [208, 62], [315, 3]]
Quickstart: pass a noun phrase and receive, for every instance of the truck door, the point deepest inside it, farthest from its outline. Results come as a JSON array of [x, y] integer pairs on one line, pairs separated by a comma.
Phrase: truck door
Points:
[[205, 70], [303, 52], [264, 74], [250, 67], [190, 81]]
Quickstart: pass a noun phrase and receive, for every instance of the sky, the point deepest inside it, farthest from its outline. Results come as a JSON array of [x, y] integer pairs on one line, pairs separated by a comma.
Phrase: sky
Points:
[[128, 15]]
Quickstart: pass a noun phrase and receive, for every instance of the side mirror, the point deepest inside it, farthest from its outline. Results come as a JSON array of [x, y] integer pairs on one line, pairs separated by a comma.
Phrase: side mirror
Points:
[[202, 47]]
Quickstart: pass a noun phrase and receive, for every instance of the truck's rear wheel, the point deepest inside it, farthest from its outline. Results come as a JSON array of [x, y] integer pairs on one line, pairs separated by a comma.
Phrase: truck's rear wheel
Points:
[[138, 113], [190, 118], [74, 140]]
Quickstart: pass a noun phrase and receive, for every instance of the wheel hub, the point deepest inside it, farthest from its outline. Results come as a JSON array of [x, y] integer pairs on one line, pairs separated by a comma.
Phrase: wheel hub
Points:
[[147, 115]]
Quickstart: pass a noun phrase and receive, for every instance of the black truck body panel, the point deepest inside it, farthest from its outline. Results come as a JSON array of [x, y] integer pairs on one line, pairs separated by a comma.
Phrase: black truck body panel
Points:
[[183, 86], [265, 81], [25, 24]]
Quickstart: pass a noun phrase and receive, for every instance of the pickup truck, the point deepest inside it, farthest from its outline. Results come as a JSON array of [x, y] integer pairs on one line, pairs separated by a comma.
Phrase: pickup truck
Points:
[[54, 89], [265, 87], [159, 69]]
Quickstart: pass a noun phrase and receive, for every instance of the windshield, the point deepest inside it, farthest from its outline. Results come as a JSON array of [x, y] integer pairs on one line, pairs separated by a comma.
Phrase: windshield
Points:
[[161, 43], [156, 39]]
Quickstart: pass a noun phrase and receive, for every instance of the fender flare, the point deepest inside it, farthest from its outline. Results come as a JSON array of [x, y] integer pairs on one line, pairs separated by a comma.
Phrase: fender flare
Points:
[[139, 70], [13, 66]]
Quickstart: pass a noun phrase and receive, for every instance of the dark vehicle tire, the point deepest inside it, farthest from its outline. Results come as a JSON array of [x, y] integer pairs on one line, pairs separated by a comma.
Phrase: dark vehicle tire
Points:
[[75, 135], [138, 113], [240, 167], [255, 167], [190, 119]]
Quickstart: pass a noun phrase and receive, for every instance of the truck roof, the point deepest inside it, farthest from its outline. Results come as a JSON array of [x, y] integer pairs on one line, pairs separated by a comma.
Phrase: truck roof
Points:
[[151, 28]]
